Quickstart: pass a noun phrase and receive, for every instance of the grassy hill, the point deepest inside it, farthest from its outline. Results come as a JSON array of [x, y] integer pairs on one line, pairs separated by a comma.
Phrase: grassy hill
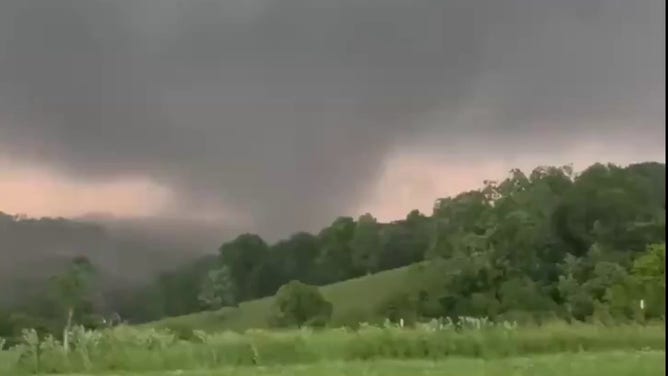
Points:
[[352, 298]]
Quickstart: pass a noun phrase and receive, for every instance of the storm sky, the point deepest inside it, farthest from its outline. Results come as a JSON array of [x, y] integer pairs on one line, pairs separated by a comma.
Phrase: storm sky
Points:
[[278, 115]]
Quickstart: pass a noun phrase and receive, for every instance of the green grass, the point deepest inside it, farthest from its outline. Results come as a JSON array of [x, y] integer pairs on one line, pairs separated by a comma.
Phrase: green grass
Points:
[[7, 361], [141, 350], [354, 297], [581, 364]]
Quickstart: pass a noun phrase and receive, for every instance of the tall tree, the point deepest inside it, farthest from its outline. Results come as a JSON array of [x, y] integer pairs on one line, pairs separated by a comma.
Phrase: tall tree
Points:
[[365, 244], [72, 289], [335, 260], [218, 289], [297, 257], [244, 256]]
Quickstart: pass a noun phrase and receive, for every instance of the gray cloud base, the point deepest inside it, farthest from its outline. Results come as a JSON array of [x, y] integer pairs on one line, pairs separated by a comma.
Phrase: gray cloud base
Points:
[[286, 109]]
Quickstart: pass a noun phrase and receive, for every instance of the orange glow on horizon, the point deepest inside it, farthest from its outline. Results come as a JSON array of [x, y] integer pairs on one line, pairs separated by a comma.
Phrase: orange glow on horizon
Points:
[[415, 180], [408, 180], [39, 192]]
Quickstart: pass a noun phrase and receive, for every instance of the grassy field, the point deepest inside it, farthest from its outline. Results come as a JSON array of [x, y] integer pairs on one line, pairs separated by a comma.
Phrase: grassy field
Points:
[[224, 344], [651, 363], [129, 349], [353, 297]]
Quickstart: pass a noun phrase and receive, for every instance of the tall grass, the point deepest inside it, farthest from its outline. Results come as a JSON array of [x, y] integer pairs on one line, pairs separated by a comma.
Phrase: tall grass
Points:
[[140, 350]]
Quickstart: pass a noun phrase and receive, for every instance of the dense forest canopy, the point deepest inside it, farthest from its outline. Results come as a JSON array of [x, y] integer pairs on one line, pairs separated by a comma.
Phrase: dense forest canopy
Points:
[[550, 243]]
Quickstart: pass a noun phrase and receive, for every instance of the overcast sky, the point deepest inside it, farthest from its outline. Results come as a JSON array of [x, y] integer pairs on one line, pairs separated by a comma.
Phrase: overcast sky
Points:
[[278, 115]]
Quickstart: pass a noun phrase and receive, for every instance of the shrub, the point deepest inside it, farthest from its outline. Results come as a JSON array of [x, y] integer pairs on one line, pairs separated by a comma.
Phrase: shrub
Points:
[[299, 304]]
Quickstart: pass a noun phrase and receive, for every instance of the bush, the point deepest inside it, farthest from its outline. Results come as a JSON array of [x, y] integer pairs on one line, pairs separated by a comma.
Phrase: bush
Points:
[[299, 304]]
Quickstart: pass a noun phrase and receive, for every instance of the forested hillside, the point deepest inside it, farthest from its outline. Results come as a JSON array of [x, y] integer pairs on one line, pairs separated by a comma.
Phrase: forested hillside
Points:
[[127, 254], [550, 243]]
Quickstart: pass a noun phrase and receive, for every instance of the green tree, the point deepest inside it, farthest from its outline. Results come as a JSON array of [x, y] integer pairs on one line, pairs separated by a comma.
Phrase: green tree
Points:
[[296, 258], [617, 208], [366, 244], [461, 285], [646, 283], [457, 222], [522, 294], [218, 289], [300, 304], [244, 256], [650, 267], [178, 288], [72, 290], [335, 260], [403, 243]]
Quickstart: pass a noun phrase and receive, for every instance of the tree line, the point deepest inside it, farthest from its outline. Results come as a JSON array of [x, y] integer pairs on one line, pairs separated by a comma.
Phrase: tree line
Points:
[[548, 243]]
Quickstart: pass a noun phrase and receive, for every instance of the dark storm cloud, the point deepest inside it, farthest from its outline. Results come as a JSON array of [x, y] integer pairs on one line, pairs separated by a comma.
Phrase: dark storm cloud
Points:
[[284, 109]]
